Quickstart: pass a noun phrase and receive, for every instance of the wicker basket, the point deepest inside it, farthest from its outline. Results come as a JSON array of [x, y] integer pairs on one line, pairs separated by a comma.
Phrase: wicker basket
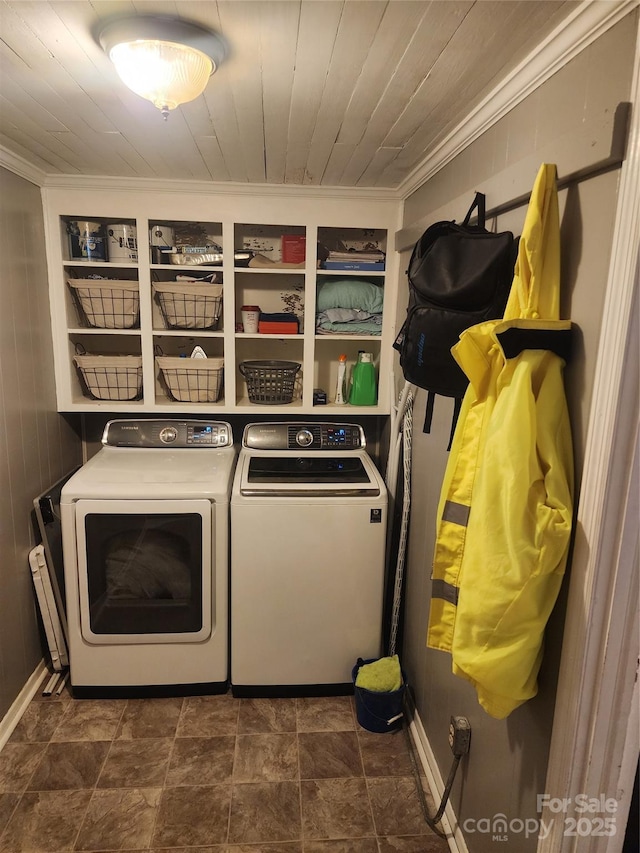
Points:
[[107, 303], [111, 377], [192, 380], [189, 306], [270, 382]]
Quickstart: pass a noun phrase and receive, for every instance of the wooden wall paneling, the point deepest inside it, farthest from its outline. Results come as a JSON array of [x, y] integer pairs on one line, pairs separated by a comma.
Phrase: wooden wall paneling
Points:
[[244, 76], [340, 155], [70, 102], [218, 99], [32, 147], [432, 34], [316, 40], [278, 55], [453, 76], [199, 122], [386, 53], [347, 62], [72, 52]]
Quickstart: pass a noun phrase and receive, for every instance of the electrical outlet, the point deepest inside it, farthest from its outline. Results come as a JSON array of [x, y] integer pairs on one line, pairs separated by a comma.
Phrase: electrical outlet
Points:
[[459, 736]]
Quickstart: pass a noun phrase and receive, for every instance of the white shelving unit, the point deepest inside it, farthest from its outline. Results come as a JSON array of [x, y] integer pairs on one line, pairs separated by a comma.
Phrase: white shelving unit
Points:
[[234, 221]]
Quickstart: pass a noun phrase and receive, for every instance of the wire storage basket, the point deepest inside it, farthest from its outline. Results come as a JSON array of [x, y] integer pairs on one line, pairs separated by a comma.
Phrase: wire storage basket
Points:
[[190, 305], [270, 382], [106, 303], [192, 380], [111, 377]]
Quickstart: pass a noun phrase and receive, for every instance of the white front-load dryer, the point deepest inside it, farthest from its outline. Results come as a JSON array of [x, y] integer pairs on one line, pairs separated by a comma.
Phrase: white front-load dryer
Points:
[[145, 527]]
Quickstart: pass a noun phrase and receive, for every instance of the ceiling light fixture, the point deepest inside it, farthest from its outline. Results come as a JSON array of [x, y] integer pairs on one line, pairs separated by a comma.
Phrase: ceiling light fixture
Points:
[[165, 60]]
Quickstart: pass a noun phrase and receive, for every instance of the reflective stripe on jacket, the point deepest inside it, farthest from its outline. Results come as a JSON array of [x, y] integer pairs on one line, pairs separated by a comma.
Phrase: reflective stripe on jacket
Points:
[[504, 519]]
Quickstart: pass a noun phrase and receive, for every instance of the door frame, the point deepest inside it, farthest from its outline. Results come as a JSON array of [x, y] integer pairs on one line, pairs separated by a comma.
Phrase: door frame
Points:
[[594, 742]]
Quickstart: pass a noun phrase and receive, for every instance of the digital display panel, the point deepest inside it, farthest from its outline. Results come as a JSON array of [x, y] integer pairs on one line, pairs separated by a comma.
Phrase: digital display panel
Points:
[[202, 434], [336, 435]]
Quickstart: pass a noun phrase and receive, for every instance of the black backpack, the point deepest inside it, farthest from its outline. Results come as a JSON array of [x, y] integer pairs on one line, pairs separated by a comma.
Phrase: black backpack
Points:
[[459, 275]]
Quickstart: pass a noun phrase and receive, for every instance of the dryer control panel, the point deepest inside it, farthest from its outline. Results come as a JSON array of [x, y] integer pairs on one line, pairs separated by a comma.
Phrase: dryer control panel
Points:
[[304, 436], [167, 433]]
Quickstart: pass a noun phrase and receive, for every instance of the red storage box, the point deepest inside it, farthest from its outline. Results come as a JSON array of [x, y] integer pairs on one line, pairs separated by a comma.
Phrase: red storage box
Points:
[[293, 248]]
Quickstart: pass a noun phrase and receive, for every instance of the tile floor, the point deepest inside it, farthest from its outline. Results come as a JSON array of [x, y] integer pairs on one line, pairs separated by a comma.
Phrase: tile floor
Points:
[[209, 774]]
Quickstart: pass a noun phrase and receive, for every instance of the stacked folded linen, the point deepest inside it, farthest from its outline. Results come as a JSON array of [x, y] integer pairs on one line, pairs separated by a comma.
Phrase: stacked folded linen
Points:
[[349, 306]]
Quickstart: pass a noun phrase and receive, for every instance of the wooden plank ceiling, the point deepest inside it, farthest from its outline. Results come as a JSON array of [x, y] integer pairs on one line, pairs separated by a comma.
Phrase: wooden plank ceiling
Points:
[[352, 93]]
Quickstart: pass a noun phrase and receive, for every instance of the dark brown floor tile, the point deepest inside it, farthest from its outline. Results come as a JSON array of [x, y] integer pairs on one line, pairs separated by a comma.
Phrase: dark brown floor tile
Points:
[[336, 808], [45, 821], [286, 847], [192, 816], [329, 755], [209, 716], [267, 715], [70, 766], [413, 844], [385, 754], [266, 758], [201, 761], [17, 764], [396, 806], [262, 812], [119, 819], [138, 763], [150, 718], [349, 845], [92, 719], [215, 848], [38, 723], [8, 802], [325, 714]]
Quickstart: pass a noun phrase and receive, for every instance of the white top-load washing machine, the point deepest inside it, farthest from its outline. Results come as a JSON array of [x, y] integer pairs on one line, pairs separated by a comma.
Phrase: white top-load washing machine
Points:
[[145, 528], [308, 531]]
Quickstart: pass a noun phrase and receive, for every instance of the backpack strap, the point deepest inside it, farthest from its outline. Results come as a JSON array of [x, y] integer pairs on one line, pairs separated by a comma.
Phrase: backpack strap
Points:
[[428, 414], [479, 202], [457, 405]]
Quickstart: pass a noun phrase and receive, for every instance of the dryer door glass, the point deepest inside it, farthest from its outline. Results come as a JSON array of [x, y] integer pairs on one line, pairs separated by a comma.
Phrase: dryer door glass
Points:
[[144, 573]]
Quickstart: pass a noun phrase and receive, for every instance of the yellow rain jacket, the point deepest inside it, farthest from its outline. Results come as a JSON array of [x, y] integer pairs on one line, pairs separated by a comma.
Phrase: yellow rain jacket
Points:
[[504, 519]]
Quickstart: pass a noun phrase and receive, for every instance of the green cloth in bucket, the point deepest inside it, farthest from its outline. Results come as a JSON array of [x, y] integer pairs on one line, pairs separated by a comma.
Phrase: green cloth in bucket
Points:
[[381, 676]]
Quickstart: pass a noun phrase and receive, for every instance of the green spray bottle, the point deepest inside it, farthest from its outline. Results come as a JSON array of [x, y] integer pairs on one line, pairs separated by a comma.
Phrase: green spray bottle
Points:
[[363, 390]]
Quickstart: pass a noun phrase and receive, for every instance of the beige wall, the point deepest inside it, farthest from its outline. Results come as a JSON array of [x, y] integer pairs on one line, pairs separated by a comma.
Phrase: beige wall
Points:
[[37, 446], [570, 114]]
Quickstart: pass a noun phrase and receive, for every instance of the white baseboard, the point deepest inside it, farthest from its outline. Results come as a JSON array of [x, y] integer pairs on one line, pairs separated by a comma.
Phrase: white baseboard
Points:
[[15, 712], [449, 821]]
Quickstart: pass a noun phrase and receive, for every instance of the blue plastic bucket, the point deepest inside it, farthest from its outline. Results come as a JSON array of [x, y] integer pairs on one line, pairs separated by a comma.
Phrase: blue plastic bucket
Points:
[[378, 712]]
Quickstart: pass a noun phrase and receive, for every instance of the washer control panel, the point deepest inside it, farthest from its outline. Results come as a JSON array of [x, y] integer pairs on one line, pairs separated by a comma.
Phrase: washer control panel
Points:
[[167, 433], [304, 436]]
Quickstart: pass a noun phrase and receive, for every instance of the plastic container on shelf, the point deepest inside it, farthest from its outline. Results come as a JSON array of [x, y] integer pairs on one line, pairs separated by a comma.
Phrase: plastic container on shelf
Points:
[[86, 240], [341, 385], [364, 390], [270, 381]]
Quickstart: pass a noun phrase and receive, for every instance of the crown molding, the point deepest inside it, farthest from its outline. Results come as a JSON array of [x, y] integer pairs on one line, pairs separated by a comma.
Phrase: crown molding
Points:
[[21, 167], [109, 182], [580, 29]]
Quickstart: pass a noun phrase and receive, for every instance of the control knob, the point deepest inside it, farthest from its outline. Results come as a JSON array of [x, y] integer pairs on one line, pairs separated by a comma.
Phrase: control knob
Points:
[[304, 437], [168, 434]]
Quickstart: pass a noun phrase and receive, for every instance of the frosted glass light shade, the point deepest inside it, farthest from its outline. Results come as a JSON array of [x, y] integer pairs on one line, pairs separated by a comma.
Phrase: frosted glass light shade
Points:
[[166, 60], [164, 73]]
